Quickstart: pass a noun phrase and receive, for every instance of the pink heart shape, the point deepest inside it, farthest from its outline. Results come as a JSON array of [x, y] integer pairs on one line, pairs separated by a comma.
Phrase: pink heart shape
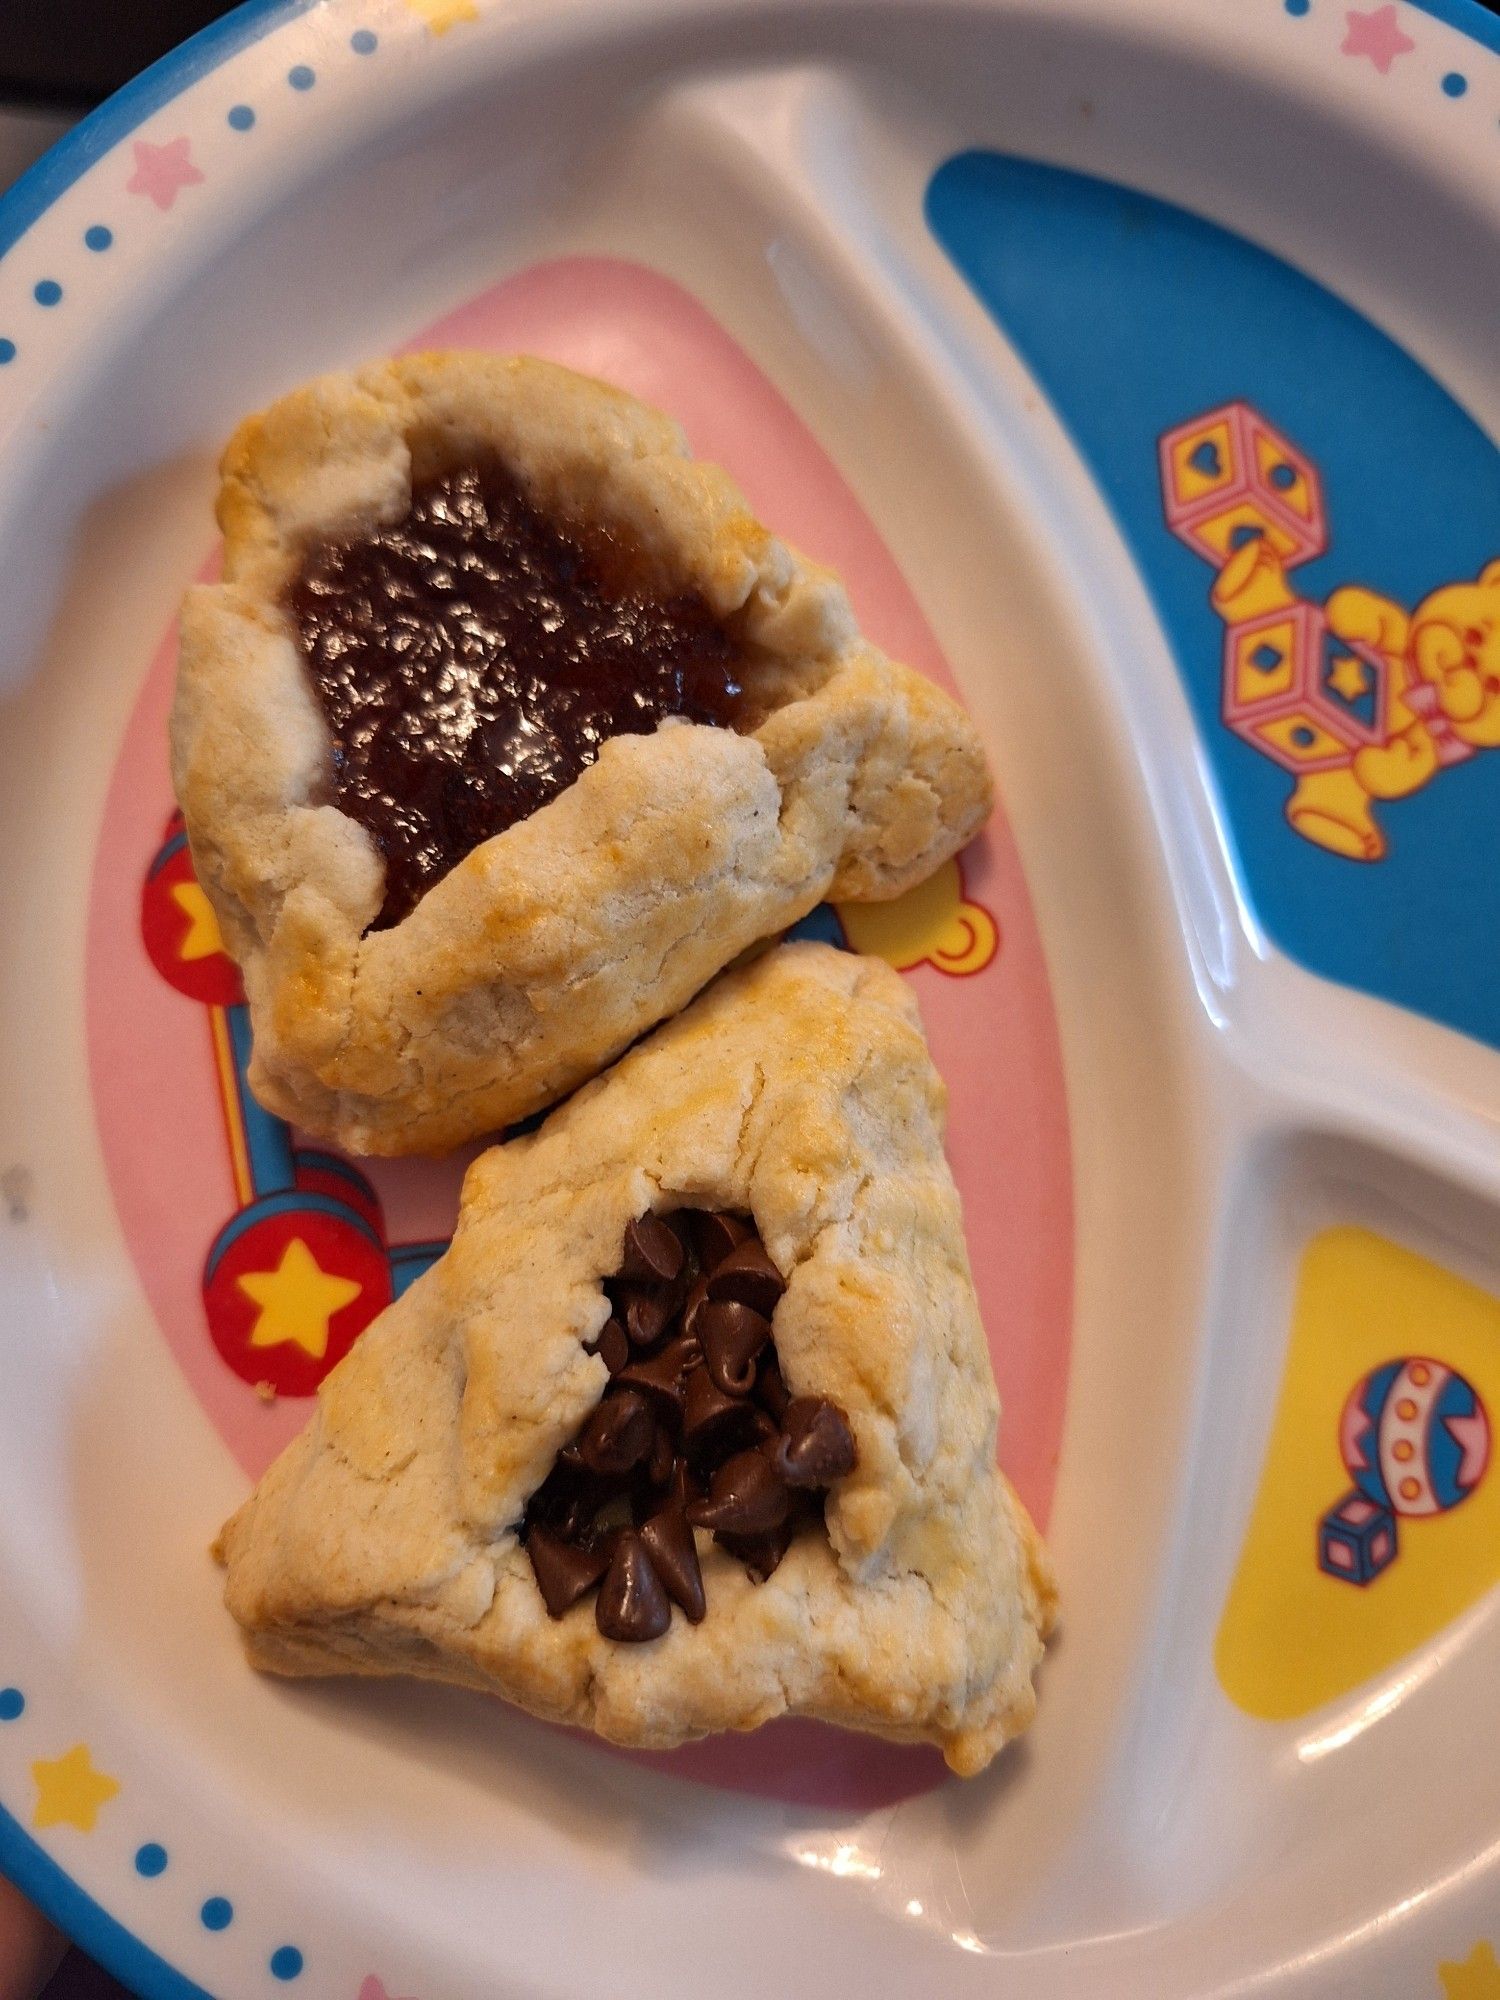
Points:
[[374, 1989]]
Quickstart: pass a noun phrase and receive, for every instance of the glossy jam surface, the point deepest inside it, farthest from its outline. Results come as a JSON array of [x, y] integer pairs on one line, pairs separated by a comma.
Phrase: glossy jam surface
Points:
[[471, 658]]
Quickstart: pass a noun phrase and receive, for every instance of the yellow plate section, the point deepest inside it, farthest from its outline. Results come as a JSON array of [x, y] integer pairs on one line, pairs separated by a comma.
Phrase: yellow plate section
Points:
[[1291, 1637]]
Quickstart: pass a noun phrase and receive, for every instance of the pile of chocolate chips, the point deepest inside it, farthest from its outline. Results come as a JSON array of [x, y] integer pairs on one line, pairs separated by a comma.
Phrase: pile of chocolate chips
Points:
[[696, 1430]]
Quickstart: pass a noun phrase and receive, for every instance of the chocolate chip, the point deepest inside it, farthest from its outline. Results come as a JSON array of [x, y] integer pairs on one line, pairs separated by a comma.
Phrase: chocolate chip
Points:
[[646, 1316], [748, 1496], [748, 1276], [759, 1553], [660, 1375], [619, 1433], [717, 1233], [697, 1299], [564, 1502], [683, 1488], [653, 1255], [710, 1418], [681, 1224], [576, 1515], [612, 1346], [674, 1556], [663, 1456], [732, 1335], [770, 1390], [614, 1517], [568, 1502], [632, 1606], [760, 1430], [816, 1445], [564, 1572]]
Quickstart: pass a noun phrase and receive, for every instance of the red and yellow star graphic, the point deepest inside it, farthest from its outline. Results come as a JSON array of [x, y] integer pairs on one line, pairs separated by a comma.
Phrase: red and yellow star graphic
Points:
[[296, 1300]]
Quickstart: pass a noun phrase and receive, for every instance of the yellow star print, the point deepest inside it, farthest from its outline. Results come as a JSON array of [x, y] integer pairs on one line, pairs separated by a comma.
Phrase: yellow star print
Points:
[[441, 15], [69, 1791], [203, 936], [296, 1300], [1349, 677], [1476, 1978]]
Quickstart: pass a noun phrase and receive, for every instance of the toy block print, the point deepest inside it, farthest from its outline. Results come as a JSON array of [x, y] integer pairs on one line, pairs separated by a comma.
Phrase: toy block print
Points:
[[1356, 1539], [1305, 699], [1359, 700], [1229, 478]]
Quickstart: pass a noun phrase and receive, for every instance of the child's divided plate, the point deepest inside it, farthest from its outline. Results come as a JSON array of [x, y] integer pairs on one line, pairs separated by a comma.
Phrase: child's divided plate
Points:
[[1135, 361]]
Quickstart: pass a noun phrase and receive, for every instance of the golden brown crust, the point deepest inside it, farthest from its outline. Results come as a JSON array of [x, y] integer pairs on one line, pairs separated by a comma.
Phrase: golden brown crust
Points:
[[383, 1540], [550, 947]]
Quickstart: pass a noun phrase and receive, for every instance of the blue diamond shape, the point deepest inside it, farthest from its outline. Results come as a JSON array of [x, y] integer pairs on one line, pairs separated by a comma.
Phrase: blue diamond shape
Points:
[[1266, 657]]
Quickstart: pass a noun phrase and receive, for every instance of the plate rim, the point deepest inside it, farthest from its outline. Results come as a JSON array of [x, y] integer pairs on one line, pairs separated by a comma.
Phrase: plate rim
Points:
[[85, 1922]]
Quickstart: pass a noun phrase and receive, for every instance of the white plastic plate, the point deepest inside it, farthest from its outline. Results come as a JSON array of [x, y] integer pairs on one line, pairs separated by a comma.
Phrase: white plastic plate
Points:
[[1136, 361]]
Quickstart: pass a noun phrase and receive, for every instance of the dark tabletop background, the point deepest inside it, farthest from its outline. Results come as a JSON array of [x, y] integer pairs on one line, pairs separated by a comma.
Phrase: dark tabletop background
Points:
[[67, 54], [78, 1978]]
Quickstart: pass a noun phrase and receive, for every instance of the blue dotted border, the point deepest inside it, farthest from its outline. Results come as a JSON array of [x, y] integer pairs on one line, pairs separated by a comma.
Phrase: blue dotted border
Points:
[[37, 1875]]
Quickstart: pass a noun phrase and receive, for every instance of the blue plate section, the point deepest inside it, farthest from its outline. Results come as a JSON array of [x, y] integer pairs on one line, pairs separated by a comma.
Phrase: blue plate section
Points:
[[1136, 317], [40, 1878]]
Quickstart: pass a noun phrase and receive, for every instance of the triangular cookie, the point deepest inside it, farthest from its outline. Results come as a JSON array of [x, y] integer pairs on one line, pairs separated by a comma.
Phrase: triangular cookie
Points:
[[797, 1091]]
